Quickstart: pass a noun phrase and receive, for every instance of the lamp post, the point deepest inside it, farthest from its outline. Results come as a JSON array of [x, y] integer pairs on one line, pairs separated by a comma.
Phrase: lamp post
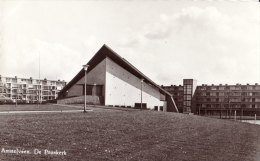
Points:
[[85, 71], [142, 80], [38, 98], [16, 101]]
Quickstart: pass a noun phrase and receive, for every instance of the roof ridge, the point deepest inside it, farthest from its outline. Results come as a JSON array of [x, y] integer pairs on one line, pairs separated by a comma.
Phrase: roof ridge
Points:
[[101, 54]]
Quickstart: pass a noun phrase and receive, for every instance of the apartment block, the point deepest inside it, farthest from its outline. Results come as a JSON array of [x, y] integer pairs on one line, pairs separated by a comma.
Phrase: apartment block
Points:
[[216, 99], [225, 99], [177, 93], [29, 90]]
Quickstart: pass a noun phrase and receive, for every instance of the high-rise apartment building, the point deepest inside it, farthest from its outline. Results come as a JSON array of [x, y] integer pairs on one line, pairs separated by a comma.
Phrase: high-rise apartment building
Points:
[[29, 90], [223, 100], [226, 99]]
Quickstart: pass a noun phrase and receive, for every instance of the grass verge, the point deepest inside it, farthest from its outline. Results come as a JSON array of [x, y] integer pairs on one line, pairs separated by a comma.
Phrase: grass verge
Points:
[[109, 134], [35, 107]]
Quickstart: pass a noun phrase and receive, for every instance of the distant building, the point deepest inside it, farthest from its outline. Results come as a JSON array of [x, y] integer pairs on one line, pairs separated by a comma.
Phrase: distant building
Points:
[[29, 90], [189, 87], [225, 99], [183, 95], [216, 99], [113, 81], [178, 95]]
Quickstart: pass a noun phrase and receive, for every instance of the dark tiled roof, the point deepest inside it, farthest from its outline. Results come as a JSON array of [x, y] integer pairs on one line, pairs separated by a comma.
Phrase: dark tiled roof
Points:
[[104, 52]]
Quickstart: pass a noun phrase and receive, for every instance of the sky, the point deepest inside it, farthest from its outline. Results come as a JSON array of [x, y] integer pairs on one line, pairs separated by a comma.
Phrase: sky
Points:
[[212, 41]]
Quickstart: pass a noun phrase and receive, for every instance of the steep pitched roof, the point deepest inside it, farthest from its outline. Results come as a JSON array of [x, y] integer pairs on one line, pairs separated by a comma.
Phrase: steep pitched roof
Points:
[[104, 52]]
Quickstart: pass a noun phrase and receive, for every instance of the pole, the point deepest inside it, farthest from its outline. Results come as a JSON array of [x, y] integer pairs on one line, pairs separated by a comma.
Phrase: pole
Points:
[[85, 104], [37, 101], [255, 118], [229, 102], [235, 114], [16, 101], [220, 111], [40, 92], [242, 114], [227, 114], [142, 93], [85, 67]]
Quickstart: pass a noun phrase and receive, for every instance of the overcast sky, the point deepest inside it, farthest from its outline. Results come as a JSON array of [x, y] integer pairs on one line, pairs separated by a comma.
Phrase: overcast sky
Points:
[[211, 41]]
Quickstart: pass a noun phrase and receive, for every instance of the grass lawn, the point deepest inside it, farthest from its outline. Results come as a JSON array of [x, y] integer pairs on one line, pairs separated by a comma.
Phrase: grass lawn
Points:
[[35, 107], [114, 134]]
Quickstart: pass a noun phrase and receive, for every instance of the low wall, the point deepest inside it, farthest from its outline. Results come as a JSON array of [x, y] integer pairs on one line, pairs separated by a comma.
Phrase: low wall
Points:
[[80, 99]]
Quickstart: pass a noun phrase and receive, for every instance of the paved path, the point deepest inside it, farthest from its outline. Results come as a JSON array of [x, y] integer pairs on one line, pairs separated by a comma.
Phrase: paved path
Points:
[[21, 112], [81, 107]]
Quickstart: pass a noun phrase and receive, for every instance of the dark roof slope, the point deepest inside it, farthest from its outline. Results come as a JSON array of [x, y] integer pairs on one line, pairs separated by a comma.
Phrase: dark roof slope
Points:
[[104, 52]]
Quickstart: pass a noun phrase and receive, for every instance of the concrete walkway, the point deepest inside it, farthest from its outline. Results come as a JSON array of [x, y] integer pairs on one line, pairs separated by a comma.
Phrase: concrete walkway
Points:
[[81, 107], [28, 112]]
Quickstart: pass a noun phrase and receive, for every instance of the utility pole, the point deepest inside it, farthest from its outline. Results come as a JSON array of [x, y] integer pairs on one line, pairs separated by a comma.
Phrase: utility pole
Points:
[[229, 102], [142, 80], [85, 67], [40, 90]]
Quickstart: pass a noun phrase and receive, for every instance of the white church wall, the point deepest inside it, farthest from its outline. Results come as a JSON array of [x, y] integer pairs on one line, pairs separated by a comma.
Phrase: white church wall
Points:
[[124, 88]]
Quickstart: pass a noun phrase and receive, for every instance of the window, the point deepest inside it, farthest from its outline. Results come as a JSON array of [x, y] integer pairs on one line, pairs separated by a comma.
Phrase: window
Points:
[[221, 88], [249, 87], [161, 108], [88, 90], [203, 93], [187, 103], [213, 100], [213, 94], [221, 93], [235, 100], [238, 88], [187, 97], [203, 88], [237, 94], [232, 88], [98, 90], [213, 88], [221, 99]]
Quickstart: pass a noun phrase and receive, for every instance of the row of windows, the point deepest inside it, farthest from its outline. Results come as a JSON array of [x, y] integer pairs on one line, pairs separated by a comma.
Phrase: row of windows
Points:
[[187, 97], [177, 88], [228, 100], [228, 106], [188, 81], [178, 100], [187, 103], [230, 88], [229, 94], [187, 91], [178, 94]]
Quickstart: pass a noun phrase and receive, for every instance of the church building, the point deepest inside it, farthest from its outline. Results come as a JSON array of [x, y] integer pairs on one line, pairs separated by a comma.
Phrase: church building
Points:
[[113, 81]]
